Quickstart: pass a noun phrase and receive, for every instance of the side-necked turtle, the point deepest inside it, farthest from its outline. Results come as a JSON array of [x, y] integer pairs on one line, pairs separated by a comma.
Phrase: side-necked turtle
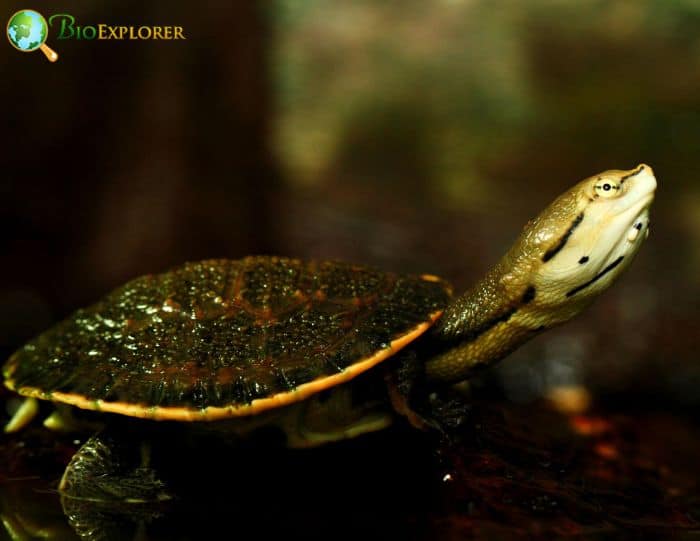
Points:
[[281, 342]]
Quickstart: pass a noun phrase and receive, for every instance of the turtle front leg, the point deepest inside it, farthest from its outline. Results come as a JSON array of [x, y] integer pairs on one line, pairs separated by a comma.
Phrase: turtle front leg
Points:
[[111, 467], [425, 406]]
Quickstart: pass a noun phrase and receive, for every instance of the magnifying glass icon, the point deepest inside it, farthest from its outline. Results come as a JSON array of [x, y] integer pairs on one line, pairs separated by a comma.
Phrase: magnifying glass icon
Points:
[[27, 31]]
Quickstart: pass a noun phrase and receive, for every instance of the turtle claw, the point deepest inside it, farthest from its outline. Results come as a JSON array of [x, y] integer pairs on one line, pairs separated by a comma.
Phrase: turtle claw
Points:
[[23, 416]]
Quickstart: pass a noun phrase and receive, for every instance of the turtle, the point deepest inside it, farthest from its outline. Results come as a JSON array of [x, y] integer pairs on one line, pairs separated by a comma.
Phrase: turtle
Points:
[[318, 350]]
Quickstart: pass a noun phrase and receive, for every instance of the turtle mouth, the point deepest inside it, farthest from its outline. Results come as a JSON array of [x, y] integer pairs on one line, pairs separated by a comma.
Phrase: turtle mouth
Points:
[[641, 189], [628, 220], [638, 218], [636, 224]]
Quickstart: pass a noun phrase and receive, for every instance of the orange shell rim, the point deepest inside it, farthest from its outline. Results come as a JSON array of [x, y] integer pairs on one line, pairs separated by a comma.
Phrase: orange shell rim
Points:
[[214, 413]]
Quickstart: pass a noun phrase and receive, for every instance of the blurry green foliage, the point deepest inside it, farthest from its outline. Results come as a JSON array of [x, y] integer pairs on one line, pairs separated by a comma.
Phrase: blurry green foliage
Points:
[[501, 89]]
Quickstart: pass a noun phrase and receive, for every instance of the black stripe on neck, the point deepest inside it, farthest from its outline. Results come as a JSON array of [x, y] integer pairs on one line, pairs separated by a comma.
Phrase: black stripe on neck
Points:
[[528, 295], [488, 325], [549, 254], [597, 277]]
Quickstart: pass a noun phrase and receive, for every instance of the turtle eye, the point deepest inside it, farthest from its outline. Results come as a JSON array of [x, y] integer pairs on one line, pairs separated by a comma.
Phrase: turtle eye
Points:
[[607, 188]]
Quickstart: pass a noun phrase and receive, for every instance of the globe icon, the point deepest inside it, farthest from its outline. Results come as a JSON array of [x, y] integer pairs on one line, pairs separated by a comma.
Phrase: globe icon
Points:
[[27, 31]]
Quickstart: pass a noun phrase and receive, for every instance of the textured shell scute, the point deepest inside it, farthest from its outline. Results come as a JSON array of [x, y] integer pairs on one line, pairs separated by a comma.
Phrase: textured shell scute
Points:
[[225, 332]]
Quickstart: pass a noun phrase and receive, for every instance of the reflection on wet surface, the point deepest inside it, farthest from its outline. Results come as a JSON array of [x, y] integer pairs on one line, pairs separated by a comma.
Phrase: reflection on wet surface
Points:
[[516, 472]]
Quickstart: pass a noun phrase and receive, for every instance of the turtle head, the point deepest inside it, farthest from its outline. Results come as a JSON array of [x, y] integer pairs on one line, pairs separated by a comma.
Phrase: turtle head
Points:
[[562, 260], [582, 242]]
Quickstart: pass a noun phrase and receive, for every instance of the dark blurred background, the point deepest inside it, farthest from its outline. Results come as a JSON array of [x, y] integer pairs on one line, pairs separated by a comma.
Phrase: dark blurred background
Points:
[[414, 135]]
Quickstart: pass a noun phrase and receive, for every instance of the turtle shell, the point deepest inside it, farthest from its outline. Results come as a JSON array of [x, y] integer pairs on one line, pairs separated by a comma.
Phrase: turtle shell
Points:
[[225, 338]]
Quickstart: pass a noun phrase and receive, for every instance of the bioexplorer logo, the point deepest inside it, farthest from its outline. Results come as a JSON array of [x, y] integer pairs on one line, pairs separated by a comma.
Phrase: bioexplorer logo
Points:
[[27, 31]]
